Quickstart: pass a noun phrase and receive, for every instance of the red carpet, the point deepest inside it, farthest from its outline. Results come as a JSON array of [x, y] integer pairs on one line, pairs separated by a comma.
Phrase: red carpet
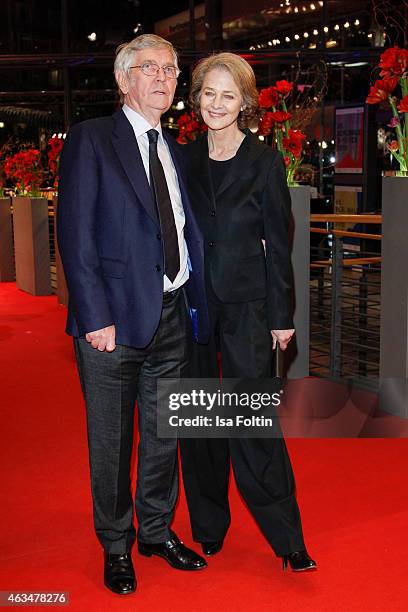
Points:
[[353, 495]]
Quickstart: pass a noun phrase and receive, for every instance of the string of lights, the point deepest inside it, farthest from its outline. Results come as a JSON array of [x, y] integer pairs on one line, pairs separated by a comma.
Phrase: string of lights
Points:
[[292, 39]]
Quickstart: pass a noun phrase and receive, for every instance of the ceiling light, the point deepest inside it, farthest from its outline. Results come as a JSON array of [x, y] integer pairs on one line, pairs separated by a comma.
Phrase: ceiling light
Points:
[[355, 64]]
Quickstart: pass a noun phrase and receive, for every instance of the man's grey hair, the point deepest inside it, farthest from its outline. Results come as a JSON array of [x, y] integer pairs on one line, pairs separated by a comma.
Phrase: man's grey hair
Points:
[[125, 52]]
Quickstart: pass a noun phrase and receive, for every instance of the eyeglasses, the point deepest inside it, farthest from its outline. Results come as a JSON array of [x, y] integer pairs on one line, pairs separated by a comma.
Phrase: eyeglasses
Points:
[[152, 69]]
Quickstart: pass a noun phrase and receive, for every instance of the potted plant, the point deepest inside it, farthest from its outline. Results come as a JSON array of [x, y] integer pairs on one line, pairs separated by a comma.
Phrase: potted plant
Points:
[[391, 89], [30, 222], [393, 77]]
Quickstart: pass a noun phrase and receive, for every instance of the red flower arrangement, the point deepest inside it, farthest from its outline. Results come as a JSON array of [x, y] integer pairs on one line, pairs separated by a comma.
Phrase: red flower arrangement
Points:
[[25, 170], [268, 97], [394, 72], [189, 128], [54, 152], [276, 117]]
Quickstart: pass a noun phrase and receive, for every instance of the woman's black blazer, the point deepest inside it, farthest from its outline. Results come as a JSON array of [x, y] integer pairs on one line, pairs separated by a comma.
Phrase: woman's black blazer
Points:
[[251, 204]]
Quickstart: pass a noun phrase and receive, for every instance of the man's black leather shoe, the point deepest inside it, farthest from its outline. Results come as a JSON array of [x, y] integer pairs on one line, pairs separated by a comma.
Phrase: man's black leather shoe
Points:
[[175, 553], [211, 548], [119, 575], [299, 561]]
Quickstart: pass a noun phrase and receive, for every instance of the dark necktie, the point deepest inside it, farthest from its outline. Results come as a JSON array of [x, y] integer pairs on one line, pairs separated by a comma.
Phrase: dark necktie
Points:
[[161, 194]]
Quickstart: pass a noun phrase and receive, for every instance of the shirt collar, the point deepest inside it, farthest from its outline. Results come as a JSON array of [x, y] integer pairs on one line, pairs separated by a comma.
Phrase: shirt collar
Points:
[[139, 123]]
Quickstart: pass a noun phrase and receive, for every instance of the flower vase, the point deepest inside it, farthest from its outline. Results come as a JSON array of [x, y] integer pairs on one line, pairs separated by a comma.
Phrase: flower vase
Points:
[[296, 357], [31, 244], [394, 297]]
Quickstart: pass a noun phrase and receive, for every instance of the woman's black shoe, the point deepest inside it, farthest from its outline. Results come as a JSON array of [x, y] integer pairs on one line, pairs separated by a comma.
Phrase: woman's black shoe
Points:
[[211, 548], [299, 561], [119, 575]]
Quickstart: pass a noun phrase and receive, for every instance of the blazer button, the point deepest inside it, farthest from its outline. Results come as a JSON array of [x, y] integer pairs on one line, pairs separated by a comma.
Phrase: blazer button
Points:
[[213, 213], [158, 268], [158, 236], [211, 244]]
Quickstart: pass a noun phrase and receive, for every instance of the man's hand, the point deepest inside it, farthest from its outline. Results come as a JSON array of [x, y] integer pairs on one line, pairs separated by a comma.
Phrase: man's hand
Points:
[[283, 336], [102, 339]]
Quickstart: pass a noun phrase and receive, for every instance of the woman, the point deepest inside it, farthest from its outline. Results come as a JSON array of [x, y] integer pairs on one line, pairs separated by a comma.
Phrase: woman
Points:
[[238, 190]]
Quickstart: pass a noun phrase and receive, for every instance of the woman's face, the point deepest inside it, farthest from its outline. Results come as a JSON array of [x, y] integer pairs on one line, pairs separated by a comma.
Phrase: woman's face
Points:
[[220, 99]]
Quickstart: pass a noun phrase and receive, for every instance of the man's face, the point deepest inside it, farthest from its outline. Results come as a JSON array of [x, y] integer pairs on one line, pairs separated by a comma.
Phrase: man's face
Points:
[[150, 96]]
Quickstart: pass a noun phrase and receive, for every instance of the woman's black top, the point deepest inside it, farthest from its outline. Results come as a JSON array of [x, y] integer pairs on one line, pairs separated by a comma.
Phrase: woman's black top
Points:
[[218, 170]]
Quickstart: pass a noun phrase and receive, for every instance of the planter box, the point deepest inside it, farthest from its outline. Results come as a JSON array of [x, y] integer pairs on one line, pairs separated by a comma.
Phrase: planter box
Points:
[[31, 245], [7, 270], [296, 356], [394, 297], [62, 291]]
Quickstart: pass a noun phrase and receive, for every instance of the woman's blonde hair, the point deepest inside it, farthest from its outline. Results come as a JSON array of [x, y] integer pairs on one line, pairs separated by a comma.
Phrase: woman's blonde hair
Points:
[[243, 76]]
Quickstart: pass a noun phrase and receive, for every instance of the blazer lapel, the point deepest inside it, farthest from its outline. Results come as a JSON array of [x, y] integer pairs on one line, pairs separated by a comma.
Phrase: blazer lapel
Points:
[[125, 144]]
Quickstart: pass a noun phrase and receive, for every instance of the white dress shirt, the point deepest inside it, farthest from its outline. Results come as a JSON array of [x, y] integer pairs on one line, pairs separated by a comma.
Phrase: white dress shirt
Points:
[[140, 127]]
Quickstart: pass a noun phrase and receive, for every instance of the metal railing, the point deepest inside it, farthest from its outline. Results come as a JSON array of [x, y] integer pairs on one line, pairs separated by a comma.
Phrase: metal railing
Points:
[[345, 297]]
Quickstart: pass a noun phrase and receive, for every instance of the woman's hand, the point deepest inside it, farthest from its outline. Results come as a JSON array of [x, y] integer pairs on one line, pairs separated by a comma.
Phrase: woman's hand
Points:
[[283, 336]]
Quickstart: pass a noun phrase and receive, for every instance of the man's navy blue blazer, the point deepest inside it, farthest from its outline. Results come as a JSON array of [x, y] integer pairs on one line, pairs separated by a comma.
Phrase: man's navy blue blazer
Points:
[[109, 235]]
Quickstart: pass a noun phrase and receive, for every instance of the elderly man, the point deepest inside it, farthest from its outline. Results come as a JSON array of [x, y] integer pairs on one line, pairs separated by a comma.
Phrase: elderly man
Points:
[[133, 260]]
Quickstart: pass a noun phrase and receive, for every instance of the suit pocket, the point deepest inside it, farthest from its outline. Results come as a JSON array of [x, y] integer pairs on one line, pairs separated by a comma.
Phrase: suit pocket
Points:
[[113, 267]]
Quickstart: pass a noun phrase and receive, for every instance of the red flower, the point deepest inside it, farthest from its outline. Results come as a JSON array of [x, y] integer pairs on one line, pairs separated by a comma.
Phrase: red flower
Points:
[[287, 160], [189, 127], [284, 87], [296, 135], [394, 61], [381, 90], [280, 116], [293, 142], [403, 105], [183, 119], [393, 145], [54, 154], [266, 124], [294, 146], [268, 97], [24, 169]]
